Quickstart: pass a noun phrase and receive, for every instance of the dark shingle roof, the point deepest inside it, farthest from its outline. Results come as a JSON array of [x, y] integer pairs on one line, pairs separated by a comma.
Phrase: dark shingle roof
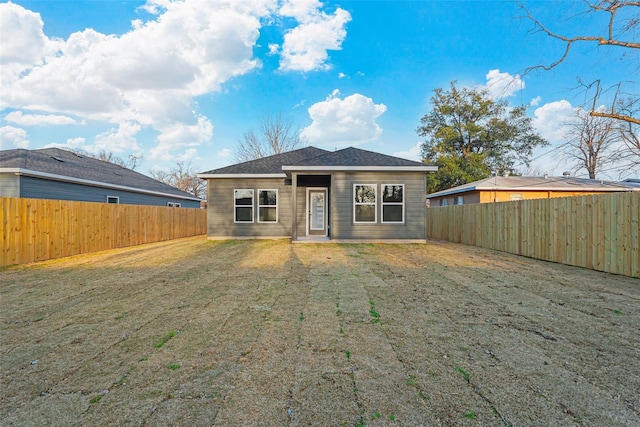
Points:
[[313, 158], [269, 165], [356, 157], [64, 163]]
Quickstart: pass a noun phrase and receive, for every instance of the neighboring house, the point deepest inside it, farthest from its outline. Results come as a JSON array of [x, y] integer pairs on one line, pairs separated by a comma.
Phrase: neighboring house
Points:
[[504, 189], [632, 182], [52, 173], [313, 194]]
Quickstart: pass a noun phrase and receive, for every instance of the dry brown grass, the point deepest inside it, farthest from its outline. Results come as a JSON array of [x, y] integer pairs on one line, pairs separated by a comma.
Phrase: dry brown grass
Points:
[[192, 332]]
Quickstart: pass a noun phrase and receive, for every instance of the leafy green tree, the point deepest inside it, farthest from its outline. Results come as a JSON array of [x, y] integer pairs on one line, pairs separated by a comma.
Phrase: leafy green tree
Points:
[[469, 135]]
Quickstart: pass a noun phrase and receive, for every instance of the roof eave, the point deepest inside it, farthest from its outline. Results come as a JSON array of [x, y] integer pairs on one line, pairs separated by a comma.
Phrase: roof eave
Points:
[[425, 168], [240, 175]]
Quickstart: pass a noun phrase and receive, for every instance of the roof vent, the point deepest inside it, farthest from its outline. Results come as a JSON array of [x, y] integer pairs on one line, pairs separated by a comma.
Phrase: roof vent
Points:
[[546, 176], [566, 174], [57, 158]]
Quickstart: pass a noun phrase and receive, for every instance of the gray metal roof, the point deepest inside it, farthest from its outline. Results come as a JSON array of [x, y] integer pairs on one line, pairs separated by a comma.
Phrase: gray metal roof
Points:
[[58, 164], [534, 183], [311, 158]]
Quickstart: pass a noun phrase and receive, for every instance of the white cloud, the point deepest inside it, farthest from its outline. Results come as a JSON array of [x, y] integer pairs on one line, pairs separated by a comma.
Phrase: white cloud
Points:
[[551, 118], [225, 152], [342, 75], [72, 143], [38, 119], [273, 48], [413, 153], [12, 137], [180, 136], [23, 41], [305, 46], [150, 76], [117, 140], [502, 85], [535, 101], [336, 121]]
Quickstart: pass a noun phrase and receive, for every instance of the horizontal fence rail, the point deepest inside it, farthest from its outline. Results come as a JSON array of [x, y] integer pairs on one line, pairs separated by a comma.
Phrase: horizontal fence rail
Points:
[[38, 229], [600, 232]]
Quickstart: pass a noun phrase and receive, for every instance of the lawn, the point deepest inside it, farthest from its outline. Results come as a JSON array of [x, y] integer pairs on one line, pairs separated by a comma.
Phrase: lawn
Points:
[[193, 332]]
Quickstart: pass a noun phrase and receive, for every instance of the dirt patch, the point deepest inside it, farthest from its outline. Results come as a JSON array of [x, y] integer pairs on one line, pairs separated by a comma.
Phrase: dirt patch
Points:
[[192, 332]]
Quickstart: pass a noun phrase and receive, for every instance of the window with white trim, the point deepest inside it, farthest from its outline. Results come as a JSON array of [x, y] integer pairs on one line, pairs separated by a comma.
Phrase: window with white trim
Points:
[[393, 203], [113, 200], [243, 205], [267, 205], [364, 203]]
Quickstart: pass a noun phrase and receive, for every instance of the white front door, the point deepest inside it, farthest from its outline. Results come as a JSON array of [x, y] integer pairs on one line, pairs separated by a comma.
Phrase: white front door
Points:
[[317, 208]]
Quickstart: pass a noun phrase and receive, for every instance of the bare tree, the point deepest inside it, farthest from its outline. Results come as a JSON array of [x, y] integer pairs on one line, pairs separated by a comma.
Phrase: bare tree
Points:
[[630, 132], [183, 177], [621, 31], [275, 135], [130, 163], [592, 143]]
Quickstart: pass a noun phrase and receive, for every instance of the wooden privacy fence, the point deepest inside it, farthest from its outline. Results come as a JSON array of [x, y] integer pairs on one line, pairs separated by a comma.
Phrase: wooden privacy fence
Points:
[[38, 229], [600, 232]]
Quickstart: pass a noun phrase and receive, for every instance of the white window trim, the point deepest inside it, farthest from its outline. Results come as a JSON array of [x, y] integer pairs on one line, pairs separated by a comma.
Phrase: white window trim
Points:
[[383, 204], [117, 198], [253, 196], [267, 206], [375, 203]]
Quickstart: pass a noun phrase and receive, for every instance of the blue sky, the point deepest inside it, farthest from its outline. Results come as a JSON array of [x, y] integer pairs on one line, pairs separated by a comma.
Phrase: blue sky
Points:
[[183, 81]]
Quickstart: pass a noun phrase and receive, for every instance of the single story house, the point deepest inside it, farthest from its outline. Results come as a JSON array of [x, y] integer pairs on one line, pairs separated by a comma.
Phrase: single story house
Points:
[[312, 194], [509, 188], [53, 173]]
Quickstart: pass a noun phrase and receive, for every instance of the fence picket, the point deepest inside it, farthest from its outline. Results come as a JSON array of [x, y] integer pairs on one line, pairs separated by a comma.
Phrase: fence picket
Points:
[[600, 232], [38, 229]]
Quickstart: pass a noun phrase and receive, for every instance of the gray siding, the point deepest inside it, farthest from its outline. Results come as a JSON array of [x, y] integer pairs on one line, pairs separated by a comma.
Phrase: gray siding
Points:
[[38, 188], [220, 208], [9, 185], [341, 216]]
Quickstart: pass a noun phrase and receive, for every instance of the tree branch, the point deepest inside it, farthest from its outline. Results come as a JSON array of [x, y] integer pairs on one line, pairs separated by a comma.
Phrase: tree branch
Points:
[[614, 6], [615, 116]]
